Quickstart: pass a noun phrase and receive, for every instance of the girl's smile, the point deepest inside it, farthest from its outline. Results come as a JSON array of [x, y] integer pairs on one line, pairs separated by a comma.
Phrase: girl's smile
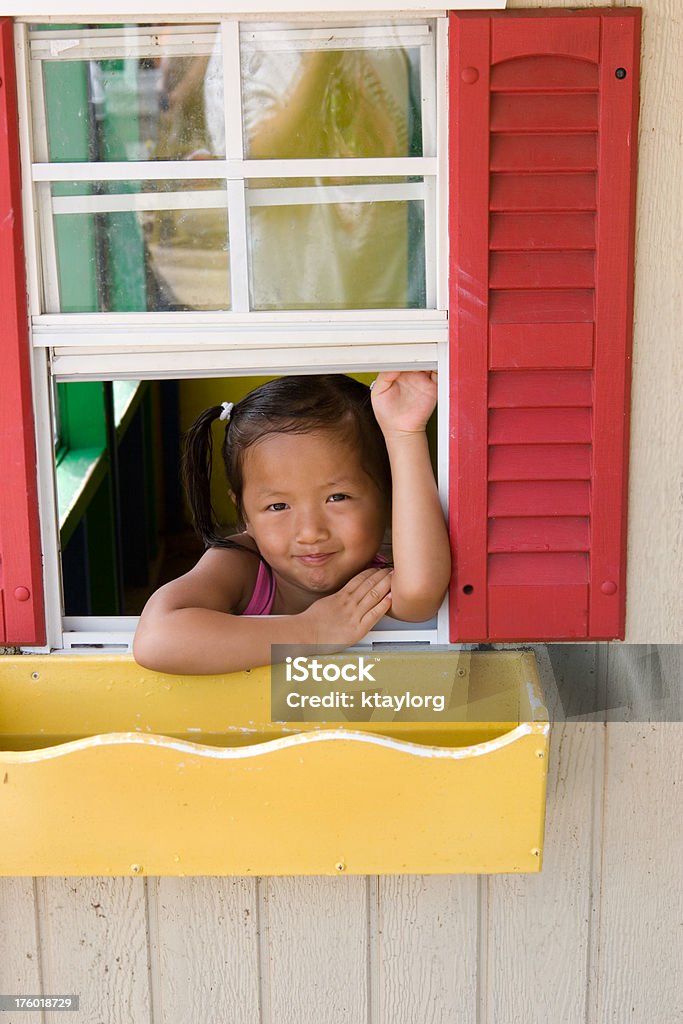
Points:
[[316, 516]]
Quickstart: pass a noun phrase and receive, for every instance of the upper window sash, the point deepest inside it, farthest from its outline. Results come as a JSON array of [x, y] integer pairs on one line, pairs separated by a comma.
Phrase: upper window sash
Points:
[[397, 194]]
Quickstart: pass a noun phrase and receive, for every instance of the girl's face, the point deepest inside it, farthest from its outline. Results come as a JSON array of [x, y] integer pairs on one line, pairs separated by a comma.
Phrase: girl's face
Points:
[[316, 516]]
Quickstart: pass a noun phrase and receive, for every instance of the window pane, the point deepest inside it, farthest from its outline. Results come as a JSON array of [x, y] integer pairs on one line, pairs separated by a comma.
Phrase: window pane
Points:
[[343, 96], [134, 108], [309, 250], [119, 249]]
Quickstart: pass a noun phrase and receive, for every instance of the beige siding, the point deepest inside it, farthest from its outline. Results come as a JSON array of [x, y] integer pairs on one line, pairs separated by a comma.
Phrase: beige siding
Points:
[[656, 489], [204, 948], [425, 935], [639, 954], [90, 930], [20, 960]]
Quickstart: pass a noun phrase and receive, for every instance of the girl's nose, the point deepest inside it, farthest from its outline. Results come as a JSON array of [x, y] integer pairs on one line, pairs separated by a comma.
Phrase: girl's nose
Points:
[[311, 526]]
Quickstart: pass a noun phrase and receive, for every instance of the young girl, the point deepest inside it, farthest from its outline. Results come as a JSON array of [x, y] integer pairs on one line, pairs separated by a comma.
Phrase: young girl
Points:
[[317, 466]]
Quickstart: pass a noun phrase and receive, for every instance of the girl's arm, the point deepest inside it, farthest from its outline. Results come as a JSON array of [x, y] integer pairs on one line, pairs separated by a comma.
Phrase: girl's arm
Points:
[[282, 127], [189, 625], [403, 402]]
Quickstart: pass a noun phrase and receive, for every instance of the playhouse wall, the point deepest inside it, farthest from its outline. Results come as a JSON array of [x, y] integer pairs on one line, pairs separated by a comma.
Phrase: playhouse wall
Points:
[[592, 938]]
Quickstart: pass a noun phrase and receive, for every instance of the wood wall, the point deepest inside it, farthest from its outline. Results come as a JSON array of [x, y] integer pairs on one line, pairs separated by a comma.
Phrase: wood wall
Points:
[[595, 938]]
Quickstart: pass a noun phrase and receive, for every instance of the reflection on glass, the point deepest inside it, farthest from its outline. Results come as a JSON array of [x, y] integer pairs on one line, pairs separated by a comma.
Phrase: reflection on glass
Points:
[[339, 103], [136, 259], [352, 255], [188, 258], [129, 109]]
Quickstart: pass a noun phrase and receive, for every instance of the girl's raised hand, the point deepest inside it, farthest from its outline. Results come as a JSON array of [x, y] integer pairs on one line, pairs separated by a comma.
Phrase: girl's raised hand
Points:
[[344, 618], [404, 401]]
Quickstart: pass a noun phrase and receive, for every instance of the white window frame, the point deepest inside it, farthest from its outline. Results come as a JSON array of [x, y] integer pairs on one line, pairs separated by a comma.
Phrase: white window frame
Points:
[[70, 347], [102, 11]]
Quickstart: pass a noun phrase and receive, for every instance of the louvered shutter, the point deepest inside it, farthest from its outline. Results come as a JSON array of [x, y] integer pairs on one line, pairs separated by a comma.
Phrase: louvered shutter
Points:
[[21, 599], [543, 113]]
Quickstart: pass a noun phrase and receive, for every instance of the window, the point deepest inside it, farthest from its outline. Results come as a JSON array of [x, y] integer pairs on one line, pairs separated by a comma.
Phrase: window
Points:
[[216, 200]]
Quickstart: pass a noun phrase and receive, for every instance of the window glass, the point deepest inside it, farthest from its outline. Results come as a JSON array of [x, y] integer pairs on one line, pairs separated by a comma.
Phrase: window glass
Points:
[[344, 102], [120, 249], [365, 247], [350, 92], [131, 108]]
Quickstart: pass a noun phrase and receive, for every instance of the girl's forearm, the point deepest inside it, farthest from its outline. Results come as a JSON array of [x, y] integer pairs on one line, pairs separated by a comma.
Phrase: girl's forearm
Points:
[[420, 544], [201, 641]]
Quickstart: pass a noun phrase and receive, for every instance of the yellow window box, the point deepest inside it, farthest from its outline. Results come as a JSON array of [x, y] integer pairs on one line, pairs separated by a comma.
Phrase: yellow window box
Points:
[[109, 769]]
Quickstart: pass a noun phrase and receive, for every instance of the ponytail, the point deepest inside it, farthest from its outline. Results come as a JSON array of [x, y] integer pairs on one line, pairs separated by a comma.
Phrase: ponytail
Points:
[[197, 464]]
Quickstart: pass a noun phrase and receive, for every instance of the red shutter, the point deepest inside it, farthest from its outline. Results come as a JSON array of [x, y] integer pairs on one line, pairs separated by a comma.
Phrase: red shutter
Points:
[[543, 136], [21, 597]]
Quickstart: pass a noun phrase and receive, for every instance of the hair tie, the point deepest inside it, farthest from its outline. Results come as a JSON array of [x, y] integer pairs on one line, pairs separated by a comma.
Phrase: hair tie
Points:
[[227, 408]]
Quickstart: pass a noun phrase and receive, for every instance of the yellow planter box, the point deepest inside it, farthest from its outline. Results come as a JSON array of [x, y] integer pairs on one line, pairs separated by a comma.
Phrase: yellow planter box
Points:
[[108, 769]]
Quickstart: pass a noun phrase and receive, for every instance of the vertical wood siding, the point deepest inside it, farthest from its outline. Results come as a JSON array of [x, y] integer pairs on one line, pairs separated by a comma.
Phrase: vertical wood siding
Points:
[[212, 922], [639, 953]]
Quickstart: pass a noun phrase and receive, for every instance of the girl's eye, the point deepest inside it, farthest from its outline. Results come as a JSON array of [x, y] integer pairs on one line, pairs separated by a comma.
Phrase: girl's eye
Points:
[[277, 506], [337, 497]]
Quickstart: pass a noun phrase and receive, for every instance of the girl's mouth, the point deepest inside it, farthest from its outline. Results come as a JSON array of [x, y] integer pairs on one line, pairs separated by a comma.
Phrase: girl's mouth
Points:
[[315, 559]]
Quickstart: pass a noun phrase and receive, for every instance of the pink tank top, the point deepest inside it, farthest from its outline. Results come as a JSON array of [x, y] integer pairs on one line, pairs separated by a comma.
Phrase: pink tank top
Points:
[[263, 595]]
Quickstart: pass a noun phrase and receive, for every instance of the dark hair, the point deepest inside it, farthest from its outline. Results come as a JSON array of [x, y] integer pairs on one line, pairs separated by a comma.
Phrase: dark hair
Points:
[[288, 405]]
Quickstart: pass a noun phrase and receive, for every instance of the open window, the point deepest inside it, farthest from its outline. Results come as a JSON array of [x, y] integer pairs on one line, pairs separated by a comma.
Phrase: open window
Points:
[[124, 529]]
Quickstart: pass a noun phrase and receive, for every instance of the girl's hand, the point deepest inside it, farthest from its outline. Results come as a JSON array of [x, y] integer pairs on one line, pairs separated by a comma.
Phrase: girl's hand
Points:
[[404, 401], [344, 618]]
